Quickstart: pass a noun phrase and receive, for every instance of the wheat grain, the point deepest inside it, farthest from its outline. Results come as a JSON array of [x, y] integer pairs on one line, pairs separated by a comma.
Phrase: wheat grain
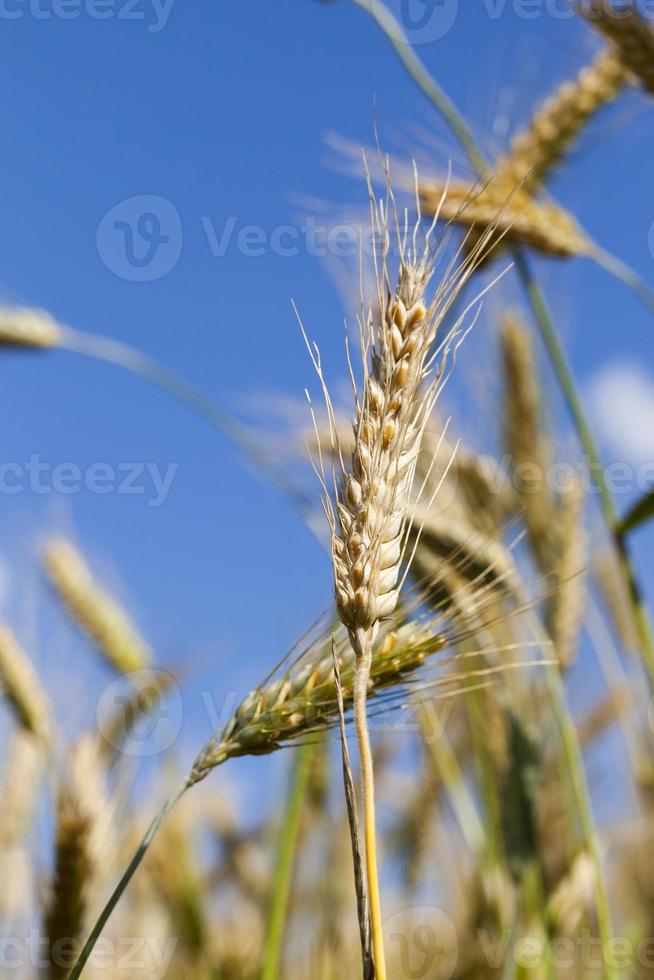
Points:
[[93, 610], [630, 33], [20, 685], [536, 151], [26, 327]]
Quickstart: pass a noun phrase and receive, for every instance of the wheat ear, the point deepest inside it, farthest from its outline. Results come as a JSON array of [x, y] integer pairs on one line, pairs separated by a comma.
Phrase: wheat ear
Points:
[[21, 687], [569, 597], [93, 610], [524, 438], [83, 816], [513, 216], [631, 35], [24, 327], [368, 506], [535, 152]]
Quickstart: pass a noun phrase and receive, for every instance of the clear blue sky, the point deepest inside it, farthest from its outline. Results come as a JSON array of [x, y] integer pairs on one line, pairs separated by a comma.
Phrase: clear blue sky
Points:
[[223, 112]]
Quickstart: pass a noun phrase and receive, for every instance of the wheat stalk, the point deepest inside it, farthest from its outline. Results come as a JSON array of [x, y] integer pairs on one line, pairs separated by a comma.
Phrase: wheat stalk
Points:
[[21, 687], [368, 506], [94, 611], [631, 36]]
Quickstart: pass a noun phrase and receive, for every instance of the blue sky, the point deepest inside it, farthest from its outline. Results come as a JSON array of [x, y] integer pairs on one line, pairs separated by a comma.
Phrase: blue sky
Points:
[[221, 110]]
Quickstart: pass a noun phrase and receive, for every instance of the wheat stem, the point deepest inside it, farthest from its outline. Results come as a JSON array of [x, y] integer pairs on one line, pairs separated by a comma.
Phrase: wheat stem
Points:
[[286, 852], [361, 679]]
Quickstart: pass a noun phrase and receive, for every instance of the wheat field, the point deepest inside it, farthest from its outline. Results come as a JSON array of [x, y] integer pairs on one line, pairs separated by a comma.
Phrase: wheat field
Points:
[[443, 733]]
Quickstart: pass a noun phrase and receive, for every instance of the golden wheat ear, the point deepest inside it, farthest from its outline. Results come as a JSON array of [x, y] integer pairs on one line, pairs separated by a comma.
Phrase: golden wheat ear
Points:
[[20, 685], [93, 610], [25, 327], [631, 36], [83, 821], [535, 152]]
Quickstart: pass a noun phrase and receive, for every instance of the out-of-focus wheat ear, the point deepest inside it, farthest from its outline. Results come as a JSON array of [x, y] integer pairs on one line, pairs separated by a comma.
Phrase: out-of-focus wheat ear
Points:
[[535, 152], [569, 596], [20, 685], [93, 610], [18, 798], [630, 33], [23, 327], [524, 439], [506, 217], [21, 778], [83, 846]]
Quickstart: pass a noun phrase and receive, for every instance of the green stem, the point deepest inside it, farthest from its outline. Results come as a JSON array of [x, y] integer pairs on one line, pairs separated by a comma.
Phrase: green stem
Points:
[[575, 768], [125, 880], [286, 852], [400, 43]]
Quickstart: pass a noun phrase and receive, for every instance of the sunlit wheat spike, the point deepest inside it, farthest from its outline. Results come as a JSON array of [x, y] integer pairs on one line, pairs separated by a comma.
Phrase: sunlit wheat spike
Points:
[[24, 765], [21, 687], [630, 33], [524, 439], [569, 596], [555, 126], [300, 699], [93, 610], [81, 851], [26, 327], [303, 699], [512, 217]]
